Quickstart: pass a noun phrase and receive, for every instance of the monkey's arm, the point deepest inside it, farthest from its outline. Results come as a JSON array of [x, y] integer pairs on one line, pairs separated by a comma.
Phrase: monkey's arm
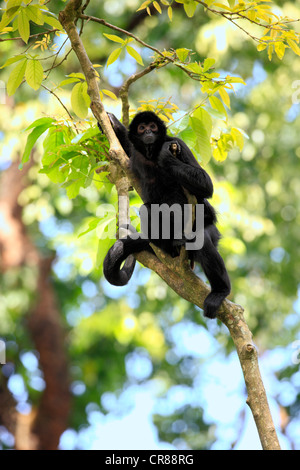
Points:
[[185, 168], [121, 132]]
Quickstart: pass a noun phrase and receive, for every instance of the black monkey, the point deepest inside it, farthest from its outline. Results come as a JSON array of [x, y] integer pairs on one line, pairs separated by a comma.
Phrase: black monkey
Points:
[[165, 179]]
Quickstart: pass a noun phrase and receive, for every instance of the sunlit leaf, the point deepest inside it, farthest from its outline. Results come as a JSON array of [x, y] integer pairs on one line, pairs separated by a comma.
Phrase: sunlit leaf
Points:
[[157, 6], [225, 97], [12, 60], [79, 100], [45, 123], [280, 50], [35, 14], [182, 54], [238, 138], [110, 94], [34, 73], [262, 46], [144, 5], [16, 77], [295, 48], [203, 139], [131, 51], [23, 25], [53, 22], [190, 8], [114, 56], [208, 63], [114, 38], [218, 105]]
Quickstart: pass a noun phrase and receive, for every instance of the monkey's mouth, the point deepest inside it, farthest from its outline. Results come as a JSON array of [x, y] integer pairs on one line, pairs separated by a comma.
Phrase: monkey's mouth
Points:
[[149, 139]]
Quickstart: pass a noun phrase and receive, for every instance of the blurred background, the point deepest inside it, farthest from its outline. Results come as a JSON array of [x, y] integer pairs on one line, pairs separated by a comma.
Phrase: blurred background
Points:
[[91, 366]]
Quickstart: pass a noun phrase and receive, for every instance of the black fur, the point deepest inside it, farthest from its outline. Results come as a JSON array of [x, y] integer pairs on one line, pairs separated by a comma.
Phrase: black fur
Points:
[[166, 179]]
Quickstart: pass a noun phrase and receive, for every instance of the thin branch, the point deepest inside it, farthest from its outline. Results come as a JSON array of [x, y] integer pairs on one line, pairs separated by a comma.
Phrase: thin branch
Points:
[[32, 36], [122, 31], [125, 89], [59, 100], [238, 15]]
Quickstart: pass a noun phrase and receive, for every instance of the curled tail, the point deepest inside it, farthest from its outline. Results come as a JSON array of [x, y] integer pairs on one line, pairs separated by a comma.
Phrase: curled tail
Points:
[[122, 250], [112, 270]]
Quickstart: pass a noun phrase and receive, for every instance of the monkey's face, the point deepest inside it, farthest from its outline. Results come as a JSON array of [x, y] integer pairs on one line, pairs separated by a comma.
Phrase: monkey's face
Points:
[[147, 132]]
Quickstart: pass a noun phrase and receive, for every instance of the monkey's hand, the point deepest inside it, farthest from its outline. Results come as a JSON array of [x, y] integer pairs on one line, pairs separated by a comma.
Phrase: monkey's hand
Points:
[[168, 154], [113, 121], [175, 149]]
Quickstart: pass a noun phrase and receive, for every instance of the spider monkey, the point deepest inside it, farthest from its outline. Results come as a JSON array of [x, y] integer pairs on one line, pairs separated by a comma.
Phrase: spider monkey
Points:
[[165, 179]]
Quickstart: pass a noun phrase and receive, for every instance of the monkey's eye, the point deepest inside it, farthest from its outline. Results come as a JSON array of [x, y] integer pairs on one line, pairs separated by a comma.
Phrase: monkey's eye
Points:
[[153, 127], [141, 128]]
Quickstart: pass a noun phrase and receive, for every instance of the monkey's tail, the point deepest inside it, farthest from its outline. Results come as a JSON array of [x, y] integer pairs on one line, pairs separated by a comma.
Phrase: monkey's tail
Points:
[[112, 270], [121, 251], [213, 302]]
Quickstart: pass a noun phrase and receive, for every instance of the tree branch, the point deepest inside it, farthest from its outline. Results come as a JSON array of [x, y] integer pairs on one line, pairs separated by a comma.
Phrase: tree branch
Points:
[[176, 272]]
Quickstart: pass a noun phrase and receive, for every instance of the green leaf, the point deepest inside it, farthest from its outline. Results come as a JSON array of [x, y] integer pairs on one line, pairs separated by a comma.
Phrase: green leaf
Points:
[[13, 3], [157, 6], [23, 25], [107, 227], [219, 154], [230, 79], [40, 122], [203, 139], [92, 224], [73, 187], [35, 14], [53, 22], [182, 54], [32, 138], [53, 141], [190, 8], [180, 123], [195, 68], [5, 20], [238, 138], [189, 137], [114, 38], [110, 94], [225, 97], [16, 77], [56, 172], [12, 7], [215, 114], [144, 5], [293, 46], [208, 63], [67, 81], [205, 118], [34, 74], [131, 51], [217, 104], [78, 75], [114, 56], [12, 60], [79, 99], [89, 134]]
